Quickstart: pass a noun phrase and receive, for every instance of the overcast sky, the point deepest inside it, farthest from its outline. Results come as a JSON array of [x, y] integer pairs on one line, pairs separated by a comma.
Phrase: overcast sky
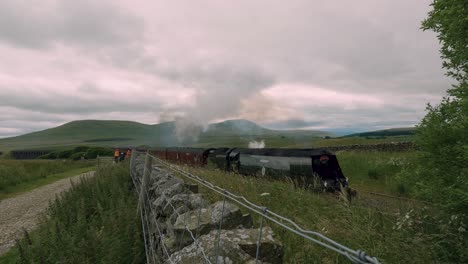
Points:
[[284, 64]]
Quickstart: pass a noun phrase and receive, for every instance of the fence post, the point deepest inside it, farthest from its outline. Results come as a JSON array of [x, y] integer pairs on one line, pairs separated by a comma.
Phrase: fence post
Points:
[[219, 228], [132, 162], [146, 175], [142, 200], [259, 239]]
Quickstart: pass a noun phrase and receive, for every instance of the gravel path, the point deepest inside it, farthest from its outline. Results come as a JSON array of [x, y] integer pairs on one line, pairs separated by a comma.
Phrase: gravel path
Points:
[[23, 210]]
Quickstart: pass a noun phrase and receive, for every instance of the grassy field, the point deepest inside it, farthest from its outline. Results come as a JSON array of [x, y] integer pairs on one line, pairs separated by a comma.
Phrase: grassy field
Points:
[[394, 230], [94, 222], [376, 171], [20, 176]]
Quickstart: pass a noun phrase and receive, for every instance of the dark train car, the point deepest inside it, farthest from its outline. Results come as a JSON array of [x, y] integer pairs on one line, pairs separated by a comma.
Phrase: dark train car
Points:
[[188, 156], [159, 152], [218, 158], [299, 164]]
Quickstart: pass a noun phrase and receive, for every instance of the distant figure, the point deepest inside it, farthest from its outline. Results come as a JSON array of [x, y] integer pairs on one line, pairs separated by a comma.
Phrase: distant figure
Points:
[[116, 155], [129, 153], [122, 156]]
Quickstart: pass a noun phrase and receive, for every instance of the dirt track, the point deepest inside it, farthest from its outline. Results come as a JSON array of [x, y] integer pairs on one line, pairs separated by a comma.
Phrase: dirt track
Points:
[[23, 210]]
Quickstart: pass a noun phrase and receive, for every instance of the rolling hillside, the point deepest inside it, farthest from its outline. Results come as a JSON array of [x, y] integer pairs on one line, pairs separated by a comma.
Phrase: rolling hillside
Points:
[[128, 133]]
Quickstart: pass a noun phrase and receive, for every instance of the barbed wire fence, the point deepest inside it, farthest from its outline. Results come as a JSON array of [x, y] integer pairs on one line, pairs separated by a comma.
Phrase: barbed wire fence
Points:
[[155, 237]]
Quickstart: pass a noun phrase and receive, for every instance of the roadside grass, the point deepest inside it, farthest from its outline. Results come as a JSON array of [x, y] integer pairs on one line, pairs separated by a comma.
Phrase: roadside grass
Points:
[[30, 185], [96, 221], [18, 175], [355, 225], [10, 257]]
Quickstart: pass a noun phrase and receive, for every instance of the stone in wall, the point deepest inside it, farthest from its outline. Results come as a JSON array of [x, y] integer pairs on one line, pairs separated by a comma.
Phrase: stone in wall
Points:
[[235, 246], [391, 146], [177, 208]]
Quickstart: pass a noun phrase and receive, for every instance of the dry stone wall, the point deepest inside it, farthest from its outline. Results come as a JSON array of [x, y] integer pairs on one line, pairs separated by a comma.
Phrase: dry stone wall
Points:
[[389, 147], [181, 212]]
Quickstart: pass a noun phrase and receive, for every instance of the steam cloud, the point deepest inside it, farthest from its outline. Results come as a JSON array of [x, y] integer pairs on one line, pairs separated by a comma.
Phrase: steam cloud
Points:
[[257, 144], [221, 92], [186, 130]]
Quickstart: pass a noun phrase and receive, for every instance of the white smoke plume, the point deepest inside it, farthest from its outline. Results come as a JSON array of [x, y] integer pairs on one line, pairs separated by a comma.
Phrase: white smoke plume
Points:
[[187, 130], [257, 144]]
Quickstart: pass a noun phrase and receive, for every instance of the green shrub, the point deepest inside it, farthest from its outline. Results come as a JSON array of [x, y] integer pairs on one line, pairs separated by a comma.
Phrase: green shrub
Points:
[[75, 154], [51, 155], [65, 154], [78, 155], [373, 173], [80, 149], [93, 152]]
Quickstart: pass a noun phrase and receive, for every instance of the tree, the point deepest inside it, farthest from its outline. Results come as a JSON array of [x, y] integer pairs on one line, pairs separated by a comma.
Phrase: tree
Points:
[[442, 135]]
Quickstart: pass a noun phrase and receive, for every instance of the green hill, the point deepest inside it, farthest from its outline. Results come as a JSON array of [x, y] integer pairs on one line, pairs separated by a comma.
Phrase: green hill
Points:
[[128, 133]]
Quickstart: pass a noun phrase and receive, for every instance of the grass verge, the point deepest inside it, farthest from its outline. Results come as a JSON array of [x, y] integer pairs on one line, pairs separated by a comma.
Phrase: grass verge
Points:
[[96, 221], [392, 230], [376, 171], [14, 172], [26, 186]]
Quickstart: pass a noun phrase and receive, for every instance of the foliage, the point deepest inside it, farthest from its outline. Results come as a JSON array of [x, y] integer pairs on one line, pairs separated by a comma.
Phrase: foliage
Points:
[[77, 152], [442, 134], [93, 152], [80, 149], [77, 155], [95, 222], [449, 20]]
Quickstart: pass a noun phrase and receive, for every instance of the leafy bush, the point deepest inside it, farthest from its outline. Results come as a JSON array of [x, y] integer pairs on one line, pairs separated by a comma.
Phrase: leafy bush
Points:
[[65, 154], [93, 152], [442, 134], [373, 173], [51, 155], [74, 154], [80, 149], [78, 155]]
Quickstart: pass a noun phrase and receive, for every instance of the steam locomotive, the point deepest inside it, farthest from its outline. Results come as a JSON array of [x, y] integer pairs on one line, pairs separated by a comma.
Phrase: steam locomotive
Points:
[[305, 167]]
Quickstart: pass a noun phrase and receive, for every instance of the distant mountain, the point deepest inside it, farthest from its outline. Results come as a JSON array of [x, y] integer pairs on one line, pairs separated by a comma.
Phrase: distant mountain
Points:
[[403, 131], [128, 133]]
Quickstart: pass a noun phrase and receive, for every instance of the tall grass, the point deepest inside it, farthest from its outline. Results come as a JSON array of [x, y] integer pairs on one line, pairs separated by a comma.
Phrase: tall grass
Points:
[[376, 171], [393, 231], [96, 221], [15, 172]]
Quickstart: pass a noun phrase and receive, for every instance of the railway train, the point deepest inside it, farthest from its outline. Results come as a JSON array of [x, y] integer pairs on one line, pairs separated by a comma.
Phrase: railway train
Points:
[[305, 167]]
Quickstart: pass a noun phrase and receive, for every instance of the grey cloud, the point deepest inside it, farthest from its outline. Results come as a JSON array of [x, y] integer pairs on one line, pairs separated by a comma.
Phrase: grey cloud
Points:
[[16, 127], [88, 23], [293, 123], [57, 103], [228, 52]]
